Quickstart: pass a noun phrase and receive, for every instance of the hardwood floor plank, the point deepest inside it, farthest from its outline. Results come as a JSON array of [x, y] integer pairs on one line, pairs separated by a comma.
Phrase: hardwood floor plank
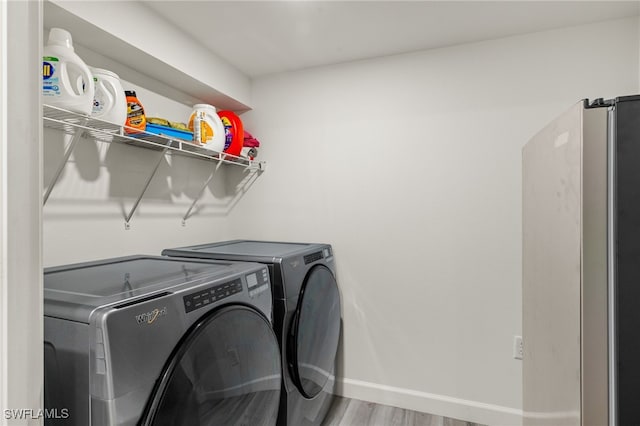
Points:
[[352, 412], [384, 414], [416, 418], [358, 413], [454, 422], [336, 411]]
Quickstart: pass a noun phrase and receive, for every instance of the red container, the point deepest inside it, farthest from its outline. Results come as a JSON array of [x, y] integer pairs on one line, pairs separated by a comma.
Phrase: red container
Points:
[[234, 132]]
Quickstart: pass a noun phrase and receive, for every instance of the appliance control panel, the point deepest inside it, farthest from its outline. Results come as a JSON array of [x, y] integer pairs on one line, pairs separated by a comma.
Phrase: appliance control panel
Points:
[[258, 282], [203, 298]]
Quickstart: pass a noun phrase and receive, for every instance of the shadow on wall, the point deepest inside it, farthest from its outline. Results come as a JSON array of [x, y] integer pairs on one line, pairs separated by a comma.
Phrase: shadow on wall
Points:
[[99, 172]]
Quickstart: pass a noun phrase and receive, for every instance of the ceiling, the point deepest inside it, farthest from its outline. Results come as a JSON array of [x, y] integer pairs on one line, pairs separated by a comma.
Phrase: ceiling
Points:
[[264, 37]]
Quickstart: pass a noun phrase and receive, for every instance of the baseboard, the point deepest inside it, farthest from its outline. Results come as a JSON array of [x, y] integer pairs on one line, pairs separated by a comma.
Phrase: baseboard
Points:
[[462, 409]]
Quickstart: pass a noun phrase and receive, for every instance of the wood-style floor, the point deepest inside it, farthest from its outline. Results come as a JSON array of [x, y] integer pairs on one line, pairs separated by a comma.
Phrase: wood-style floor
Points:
[[351, 412]]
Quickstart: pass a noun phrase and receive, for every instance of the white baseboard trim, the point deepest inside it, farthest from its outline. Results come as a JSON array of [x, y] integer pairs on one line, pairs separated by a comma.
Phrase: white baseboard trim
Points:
[[441, 405]]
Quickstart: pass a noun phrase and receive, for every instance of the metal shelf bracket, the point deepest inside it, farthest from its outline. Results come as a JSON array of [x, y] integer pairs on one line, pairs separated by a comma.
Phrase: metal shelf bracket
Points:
[[127, 219], [74, 141], [200, 192]]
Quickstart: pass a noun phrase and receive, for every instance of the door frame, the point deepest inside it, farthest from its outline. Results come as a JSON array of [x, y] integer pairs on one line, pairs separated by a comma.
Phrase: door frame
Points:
[[21, 299]]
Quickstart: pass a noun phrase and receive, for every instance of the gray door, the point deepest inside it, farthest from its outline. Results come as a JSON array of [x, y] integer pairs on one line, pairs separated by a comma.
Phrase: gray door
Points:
[[315, 330], [225, 371]]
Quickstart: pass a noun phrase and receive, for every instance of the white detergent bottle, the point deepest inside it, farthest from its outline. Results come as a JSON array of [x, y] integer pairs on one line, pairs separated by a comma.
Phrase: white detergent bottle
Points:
[[66, 80], [211, 134], [109, 101]]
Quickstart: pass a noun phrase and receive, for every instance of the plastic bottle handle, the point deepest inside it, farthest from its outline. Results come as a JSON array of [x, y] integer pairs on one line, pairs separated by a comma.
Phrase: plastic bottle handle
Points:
[[64, 79], [83, 81], [111, 90], [89, 88], [79, 87]]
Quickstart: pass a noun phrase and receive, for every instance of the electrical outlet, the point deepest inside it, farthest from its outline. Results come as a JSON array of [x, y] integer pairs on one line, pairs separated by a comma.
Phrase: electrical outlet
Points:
[[518, 348]]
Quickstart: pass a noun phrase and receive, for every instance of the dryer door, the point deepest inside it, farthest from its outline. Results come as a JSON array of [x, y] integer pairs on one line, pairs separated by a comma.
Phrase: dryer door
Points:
[[225, 371], [313, 337]]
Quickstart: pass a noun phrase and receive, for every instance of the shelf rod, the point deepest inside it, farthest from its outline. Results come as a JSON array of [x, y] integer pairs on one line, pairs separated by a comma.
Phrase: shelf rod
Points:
[[74, 141], [195, 200], [146, 186]]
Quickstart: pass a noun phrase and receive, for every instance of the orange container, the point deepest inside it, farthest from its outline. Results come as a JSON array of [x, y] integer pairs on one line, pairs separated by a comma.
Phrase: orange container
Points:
[[234, 132], [136, 120]]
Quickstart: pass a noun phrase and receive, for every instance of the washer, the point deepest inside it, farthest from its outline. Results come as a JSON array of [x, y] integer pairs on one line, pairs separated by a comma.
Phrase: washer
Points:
[[152, 340], [307, 318]]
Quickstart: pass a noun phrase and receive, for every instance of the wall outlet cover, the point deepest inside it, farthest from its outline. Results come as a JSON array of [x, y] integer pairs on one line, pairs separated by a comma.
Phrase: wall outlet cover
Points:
[[518, 347]]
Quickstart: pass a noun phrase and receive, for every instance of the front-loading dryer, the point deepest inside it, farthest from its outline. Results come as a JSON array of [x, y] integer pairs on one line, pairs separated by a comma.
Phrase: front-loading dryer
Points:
[[307, 318], [150, 340]]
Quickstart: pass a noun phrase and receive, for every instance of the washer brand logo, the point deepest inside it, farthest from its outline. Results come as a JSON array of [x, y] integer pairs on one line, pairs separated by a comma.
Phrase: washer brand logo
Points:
[[150, 317]]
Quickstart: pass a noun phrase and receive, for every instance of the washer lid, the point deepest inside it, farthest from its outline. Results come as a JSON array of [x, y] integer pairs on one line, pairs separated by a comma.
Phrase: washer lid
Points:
[[73, 291], [247, 250]]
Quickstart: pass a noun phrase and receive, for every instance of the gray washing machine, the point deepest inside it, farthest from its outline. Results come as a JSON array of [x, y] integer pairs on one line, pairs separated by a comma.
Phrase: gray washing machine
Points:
[[306, 313], [150, 340]]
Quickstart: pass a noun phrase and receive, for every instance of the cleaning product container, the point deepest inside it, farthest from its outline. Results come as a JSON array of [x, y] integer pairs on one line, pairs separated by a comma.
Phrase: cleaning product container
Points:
[[136, 121], [109, 102], [234, 132], [66, 80], [210, 130]]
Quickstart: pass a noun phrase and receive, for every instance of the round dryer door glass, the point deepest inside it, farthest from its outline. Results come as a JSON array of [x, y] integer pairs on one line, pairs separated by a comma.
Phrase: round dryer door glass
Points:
[[225, 371], [314, 334]]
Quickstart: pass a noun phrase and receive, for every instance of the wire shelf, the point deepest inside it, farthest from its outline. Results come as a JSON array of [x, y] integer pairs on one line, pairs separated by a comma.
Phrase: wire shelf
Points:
[[104, 131], [79, 125]]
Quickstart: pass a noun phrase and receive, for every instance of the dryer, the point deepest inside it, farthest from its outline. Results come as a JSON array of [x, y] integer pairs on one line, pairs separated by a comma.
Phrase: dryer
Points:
[[307, 318], [153, 340]]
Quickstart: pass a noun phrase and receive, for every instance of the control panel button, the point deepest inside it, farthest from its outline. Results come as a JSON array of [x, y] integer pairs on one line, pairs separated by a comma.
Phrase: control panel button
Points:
[[205, 297]]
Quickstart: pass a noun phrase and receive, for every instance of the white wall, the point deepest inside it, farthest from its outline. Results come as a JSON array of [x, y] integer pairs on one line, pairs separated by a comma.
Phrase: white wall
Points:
[[410, 166]]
